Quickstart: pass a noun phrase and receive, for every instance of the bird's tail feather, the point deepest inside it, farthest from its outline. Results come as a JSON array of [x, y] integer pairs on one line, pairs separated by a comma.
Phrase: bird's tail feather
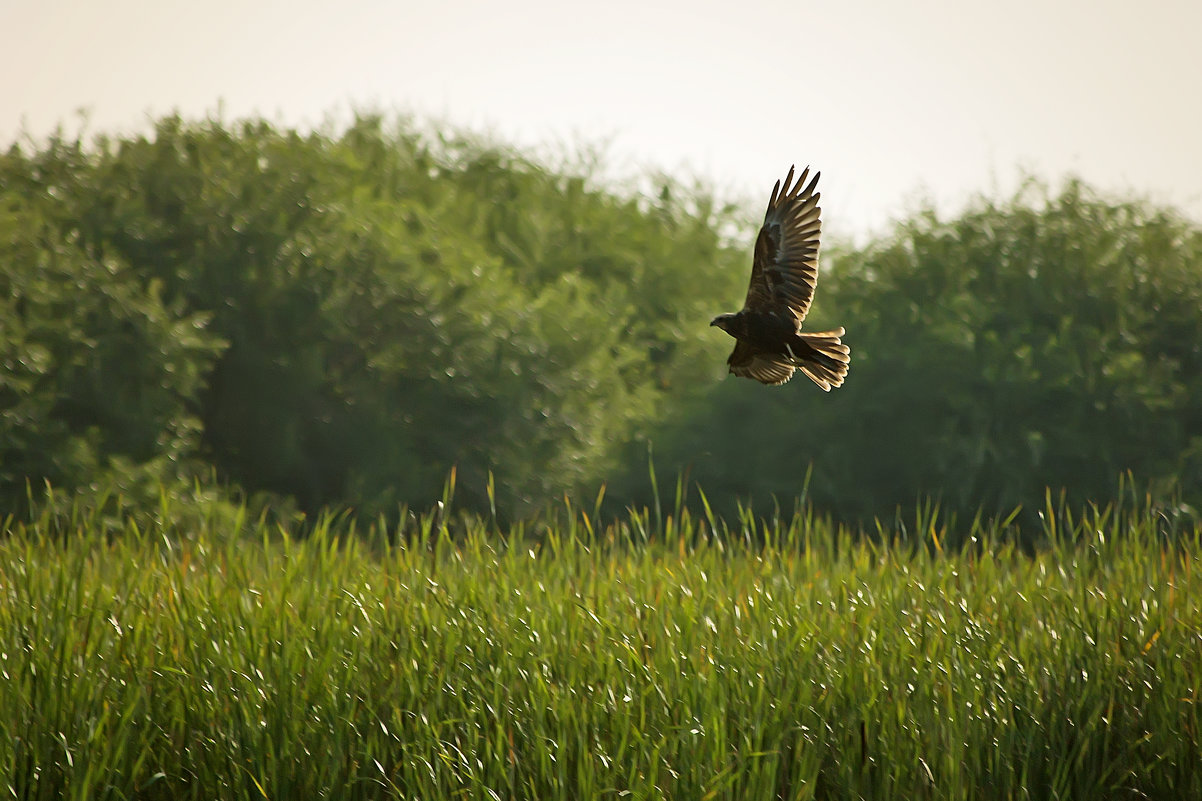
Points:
[[826, 359]]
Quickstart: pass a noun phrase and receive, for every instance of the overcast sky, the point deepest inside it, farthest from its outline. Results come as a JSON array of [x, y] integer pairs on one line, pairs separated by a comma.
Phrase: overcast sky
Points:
[[894, 101]]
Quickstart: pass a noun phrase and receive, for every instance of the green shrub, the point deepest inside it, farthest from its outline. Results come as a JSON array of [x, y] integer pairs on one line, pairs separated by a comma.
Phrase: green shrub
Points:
[[393, 305], [343, 317], [99, 372]]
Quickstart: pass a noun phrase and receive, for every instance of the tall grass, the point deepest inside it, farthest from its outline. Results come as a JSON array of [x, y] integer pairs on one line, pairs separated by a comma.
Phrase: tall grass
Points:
[[661, 656]]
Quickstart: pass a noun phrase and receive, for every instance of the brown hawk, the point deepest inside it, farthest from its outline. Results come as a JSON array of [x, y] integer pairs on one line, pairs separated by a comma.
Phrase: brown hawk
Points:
[[784, 271]]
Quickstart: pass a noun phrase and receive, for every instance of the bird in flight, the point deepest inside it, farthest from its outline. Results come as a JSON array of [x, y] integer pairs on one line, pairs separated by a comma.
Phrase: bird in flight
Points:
[[769, 344]]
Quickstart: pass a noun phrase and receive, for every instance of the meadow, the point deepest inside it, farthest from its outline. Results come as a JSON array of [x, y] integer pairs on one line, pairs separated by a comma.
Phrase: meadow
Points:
[[662, 654], [214, 332]]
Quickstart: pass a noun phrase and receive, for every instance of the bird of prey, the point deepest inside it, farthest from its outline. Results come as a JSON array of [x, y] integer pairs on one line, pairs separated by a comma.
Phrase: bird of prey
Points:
[[769, 344]]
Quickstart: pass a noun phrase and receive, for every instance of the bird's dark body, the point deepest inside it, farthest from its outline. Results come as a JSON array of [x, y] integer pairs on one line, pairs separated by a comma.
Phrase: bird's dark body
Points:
[[765, 331]]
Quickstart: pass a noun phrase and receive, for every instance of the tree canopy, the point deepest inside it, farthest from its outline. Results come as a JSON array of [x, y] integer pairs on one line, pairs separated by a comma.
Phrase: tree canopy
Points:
[[1050, 341], [342, 317]]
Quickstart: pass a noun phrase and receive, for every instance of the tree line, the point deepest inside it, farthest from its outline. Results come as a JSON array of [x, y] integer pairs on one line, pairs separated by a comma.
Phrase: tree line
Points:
[[340, 318]]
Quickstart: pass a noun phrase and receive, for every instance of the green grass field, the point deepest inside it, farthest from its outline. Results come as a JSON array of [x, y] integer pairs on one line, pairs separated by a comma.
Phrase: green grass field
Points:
[[651, 659]]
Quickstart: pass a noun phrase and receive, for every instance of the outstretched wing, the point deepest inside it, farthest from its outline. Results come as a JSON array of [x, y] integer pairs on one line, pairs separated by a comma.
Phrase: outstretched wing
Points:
[[744, 361], [784, 270]]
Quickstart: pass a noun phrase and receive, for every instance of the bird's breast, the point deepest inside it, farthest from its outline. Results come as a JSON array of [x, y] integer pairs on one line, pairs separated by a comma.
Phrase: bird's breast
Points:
[[767, 330]]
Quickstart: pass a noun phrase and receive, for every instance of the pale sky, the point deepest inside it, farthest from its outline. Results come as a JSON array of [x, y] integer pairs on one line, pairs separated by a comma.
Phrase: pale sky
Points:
[[894, 100]]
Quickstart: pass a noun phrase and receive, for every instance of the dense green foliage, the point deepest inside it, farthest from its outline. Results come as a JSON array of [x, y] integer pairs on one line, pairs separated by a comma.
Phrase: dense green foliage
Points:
[[217, 315], [340, 318], [98, 371], [481, 663], [1054, 340], [367, 310]]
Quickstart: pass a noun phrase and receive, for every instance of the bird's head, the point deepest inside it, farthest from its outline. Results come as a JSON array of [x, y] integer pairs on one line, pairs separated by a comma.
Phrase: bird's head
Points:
[[723, 321]]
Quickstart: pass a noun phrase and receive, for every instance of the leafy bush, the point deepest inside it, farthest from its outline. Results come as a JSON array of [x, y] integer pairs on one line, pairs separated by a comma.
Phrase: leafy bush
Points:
[[99, 372], [344, 317], [393, 304]]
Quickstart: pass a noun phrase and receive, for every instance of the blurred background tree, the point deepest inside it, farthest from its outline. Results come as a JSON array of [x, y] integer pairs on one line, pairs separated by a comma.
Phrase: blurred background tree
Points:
[[381, 305], [1054, 340], [100, 373], [342, 317]]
